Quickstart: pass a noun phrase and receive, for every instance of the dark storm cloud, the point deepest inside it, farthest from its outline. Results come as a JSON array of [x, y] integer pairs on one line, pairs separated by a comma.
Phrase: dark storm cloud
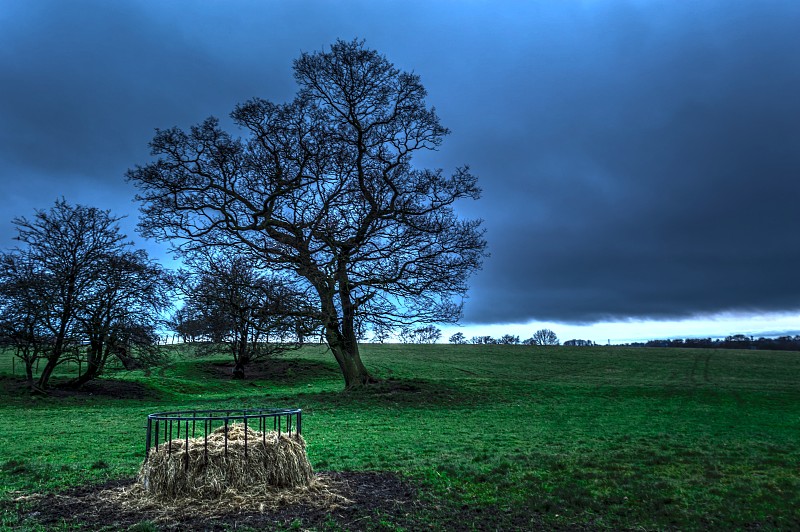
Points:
[[86, 82], [658, 174], [638, 159]]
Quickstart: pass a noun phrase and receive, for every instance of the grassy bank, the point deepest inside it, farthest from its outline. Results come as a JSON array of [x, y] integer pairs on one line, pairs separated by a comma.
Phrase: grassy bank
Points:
[[610, 437]]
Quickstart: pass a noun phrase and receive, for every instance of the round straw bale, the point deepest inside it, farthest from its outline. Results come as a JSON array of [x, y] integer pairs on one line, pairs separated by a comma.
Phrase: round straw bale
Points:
[[209, 471]]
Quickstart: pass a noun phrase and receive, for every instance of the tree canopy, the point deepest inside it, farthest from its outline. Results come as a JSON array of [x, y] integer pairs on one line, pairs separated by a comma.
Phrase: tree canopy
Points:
[[323, 188]]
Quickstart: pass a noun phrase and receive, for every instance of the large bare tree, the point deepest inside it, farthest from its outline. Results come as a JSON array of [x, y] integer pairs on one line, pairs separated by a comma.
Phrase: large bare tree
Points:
[[65, 245], [323, 188]]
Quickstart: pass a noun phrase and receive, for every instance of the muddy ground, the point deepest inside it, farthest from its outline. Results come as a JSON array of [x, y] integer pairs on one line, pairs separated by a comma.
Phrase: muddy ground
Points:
[[374, 501]]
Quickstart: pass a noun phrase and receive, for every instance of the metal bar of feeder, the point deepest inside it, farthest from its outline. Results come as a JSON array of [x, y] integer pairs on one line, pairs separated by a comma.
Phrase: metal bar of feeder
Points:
[[245, 438], [147, 443], [226, 437], [186, 446]]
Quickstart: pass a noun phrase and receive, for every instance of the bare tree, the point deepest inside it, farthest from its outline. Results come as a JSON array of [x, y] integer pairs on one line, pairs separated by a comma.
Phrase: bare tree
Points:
[[118, 316], [381, 333], [323, 189], [22, 310], [255, 315], [508, 339], [543, 337], [458, 338], [428, 334], [75, 282], [186, 324]]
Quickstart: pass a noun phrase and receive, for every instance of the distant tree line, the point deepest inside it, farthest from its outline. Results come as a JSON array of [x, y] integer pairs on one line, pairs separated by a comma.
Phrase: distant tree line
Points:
[[540, 337], [735, 341], [579, 343]]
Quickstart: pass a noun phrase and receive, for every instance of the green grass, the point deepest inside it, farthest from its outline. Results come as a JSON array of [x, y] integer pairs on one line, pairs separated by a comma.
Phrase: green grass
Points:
[[609, 437]]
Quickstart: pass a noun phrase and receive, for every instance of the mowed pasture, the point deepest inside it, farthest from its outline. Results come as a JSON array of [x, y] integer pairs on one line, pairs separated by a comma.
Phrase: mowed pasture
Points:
[[597, 437]]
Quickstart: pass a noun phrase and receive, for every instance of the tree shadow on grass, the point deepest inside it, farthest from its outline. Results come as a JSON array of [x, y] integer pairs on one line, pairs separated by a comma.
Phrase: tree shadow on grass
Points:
[[301, 373]]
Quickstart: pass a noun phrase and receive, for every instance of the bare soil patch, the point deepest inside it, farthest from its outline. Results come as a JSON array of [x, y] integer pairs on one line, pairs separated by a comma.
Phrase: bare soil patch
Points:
[[361, 501], [274, 369], [109, 388]]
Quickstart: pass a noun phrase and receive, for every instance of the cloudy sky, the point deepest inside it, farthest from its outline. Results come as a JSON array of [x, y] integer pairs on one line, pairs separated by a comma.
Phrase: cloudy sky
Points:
[[640, 160]]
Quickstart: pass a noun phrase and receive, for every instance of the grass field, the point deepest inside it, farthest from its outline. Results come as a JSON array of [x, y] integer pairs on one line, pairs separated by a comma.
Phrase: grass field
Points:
[[596, 436]]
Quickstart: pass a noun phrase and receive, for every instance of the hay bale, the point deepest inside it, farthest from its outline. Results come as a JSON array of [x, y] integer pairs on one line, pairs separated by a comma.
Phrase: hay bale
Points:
[[272, 461]]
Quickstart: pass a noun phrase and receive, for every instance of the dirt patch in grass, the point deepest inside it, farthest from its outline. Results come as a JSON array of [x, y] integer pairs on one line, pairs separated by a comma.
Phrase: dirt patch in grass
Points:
[[111, 388], [275, 370], [393, 392], [365, 501], [108, 388]]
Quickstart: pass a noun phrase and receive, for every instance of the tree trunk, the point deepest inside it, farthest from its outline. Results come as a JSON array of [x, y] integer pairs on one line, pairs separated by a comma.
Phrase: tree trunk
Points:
[[240, 355], [61, 336], [341, 334], [238, 369], [91, 373], [29, 372], [44, 378], [347, 355], [93, 370], [95, 361]]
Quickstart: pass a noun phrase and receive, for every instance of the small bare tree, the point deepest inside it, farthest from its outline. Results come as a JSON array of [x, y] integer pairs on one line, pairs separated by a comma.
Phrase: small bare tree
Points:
[[543, 337], [508, 339], [256, 315], [428, 334], [458, 338]]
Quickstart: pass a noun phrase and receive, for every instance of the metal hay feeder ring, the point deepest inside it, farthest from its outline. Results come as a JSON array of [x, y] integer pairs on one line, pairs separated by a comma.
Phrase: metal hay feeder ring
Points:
[[161, 426]]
